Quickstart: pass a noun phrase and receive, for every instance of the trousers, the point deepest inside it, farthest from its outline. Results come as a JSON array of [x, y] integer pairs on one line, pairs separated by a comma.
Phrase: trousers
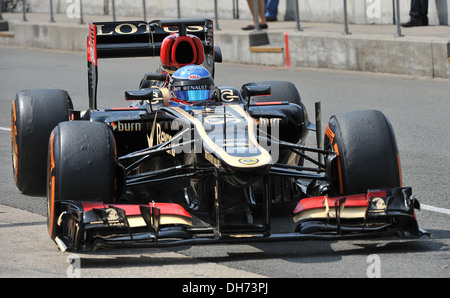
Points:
[[419, 10]]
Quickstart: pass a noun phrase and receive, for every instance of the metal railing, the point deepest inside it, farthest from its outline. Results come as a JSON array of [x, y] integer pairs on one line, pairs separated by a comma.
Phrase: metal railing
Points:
[[10, 5], [395, 4]]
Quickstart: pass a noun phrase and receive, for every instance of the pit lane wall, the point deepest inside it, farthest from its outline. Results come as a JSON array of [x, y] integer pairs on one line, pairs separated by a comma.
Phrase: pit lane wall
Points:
[[382, 54], [408, 55]]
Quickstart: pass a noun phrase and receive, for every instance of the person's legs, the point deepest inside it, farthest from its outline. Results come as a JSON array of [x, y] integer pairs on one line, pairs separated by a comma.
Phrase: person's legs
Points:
[[261, 12], [424, 11], [418, 13], [261, 15], [414, 12], [251, 6], [271, 10]]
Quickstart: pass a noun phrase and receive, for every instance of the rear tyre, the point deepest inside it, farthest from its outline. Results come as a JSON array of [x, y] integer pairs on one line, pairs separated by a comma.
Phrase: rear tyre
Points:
[[284, 91], [81, 166], [367, 154], [34, 114], [280, 91]]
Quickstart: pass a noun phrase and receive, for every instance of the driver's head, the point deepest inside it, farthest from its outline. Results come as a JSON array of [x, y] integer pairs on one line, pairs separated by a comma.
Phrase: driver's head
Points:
[[191, 84]]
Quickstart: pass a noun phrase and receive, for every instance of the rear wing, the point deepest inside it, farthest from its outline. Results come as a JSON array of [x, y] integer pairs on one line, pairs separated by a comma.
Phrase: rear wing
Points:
[[139, 39]]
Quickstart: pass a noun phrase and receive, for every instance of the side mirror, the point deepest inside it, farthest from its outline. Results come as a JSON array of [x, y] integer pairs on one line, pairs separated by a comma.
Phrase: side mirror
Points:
[[217, 54], [139, 94], [155, 76], [249, 90]]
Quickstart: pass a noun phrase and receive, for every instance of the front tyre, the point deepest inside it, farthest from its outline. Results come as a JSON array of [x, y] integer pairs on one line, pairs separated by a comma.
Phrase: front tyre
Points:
[[367, 154], [34, 114], [81, 166]]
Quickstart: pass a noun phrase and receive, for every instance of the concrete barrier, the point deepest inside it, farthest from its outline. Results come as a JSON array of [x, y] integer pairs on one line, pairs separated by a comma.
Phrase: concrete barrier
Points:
[[318, 46]]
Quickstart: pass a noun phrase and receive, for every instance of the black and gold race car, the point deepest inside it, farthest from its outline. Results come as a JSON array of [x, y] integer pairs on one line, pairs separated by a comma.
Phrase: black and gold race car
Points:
[[188, 162]]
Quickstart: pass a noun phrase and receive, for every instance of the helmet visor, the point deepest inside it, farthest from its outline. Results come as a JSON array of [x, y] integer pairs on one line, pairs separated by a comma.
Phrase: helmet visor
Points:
[[193, 95]]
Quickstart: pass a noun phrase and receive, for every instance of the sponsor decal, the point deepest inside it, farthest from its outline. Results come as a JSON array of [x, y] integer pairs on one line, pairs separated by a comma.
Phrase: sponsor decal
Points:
[[162, 137], [229, 95], [127, 126], [378, 205], [134, 27], [122, 29], [248, 161], [121, 126], [192, 88]]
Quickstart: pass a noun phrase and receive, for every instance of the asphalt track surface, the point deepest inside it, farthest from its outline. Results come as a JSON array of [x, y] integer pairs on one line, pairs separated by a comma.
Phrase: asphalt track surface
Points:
[[417, 108]]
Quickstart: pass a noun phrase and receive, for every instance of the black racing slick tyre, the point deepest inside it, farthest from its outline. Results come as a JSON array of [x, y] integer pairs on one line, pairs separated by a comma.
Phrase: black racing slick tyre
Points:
[[367, 154], [81, 166], [280, 91], [34, 114]]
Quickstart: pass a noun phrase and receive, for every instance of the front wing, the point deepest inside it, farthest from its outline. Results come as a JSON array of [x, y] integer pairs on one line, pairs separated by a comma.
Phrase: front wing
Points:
[[86, 226]]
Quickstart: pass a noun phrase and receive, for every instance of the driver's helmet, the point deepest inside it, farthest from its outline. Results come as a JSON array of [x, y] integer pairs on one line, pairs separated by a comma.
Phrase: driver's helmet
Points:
[[191, 84]]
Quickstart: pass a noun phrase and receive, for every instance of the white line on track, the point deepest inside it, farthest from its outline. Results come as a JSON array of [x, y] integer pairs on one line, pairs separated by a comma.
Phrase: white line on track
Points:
[[422, 206], [435, 209]]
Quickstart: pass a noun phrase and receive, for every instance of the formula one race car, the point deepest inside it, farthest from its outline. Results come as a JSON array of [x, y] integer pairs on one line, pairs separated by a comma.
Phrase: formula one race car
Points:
[[188, 162]]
